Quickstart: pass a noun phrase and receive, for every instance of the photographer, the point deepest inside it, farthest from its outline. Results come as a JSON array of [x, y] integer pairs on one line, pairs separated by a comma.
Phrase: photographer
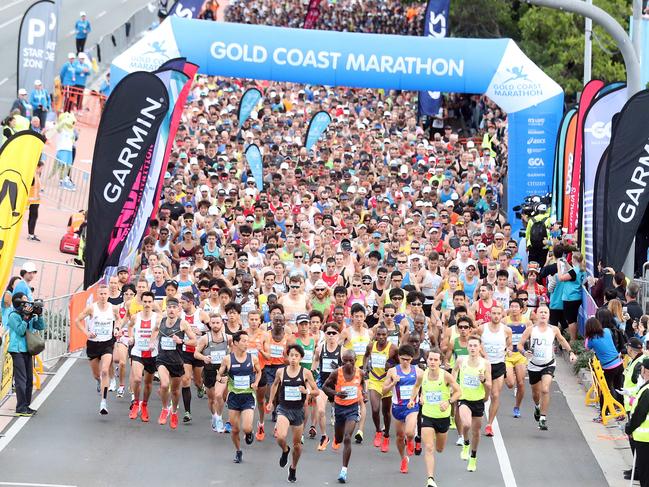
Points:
[[25, 316]]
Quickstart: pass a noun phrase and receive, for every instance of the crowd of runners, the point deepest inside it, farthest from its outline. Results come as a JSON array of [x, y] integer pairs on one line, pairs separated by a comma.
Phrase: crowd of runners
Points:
[[374, 279]]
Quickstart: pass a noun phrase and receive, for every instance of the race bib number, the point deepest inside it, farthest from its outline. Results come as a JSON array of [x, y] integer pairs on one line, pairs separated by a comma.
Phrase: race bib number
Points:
[[378, 360], [359, 348], [433, 397], [216, 356], [308, 357], [493, 351], [142, 344], [516, 339], [241, 381], [103, 331], [394, 340], [254, 352], [351, 391], [276, 351], [167, 343], [540, 353], [405, 392], [471, 381], [292, 393], [328, 364]]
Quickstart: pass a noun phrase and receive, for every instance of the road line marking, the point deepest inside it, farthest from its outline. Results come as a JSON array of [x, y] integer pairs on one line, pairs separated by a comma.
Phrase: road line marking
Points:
[[15, 428], [3, 81], [5, 8], [503, 457], [29, 484], [10, 21], [101, 14]]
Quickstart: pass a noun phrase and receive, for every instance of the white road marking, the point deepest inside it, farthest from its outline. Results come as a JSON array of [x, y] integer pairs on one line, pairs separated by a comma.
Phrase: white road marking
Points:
[[15, 428], [29, 484], [3, 81], [5, 8], [101, 14], [501, 453], [10, 21]]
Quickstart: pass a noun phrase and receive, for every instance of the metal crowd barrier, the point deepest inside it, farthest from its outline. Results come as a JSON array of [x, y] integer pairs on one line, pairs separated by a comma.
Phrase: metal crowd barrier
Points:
[[65, 198], [53, 279], [56, 315]]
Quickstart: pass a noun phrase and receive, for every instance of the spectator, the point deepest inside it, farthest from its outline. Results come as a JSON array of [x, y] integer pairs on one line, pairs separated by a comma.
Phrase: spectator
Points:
[[23, 318], [40, 100], [600, 340], [633, 308], [573, 278], [83, 68], [22, 104], [68, 77], [82, 29], [28, 274], [34, 203]]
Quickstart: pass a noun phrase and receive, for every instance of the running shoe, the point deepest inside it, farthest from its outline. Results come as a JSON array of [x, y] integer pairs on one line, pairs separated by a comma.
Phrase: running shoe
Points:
[[249, 438], [517, 412], [135, 408], [164, 414], [417, 446], [24, 414], [261, 433], [144, 413], [213, 423], [187, 418], [173, 421], [465, 452], [460, 441], [335, 446], [324, 441], [283, 459], [238, 456], [404, 465], [453, 425], [385, 444], [597, 419], [312, 432], [220, 426], [431, 482], [378, 437], [98, 386], [113, 385], [410, 447], [358, 437], [342, 477], [200, 392], [473, 464], [488, 430], [537, 413], [120, 391], [543, 424], [31, 411], [302, 440], [228, 427], [291, 475], [103, 409]]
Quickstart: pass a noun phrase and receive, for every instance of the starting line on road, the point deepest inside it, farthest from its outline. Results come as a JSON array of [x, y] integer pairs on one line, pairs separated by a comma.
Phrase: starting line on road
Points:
[[29, 484]]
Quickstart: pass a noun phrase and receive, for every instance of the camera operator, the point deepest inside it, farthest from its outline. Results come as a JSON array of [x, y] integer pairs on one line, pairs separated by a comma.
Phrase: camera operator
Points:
[[25, 316]]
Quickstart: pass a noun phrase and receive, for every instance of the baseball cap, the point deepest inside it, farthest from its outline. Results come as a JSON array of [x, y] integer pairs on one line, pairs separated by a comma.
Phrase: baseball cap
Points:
[[185, 264], [315, 268], [302, 317], [346, 245], [122, 268], [376, 234], [320, 284], [29, 267], [634, 343], [481, 246], [22, 91]]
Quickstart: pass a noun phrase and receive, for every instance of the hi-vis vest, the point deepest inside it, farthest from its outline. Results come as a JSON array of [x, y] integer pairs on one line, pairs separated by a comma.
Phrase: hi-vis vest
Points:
[[628, 383], [641, 433], [75, 221]]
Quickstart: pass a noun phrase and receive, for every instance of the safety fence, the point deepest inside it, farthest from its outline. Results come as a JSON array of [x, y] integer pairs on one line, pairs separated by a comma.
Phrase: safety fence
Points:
[[53, 279], [86, 105], [54, 186]]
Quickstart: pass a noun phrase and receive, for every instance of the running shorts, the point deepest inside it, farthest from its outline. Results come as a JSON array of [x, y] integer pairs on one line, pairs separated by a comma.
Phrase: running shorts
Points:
[[148, 362], [270, 371], [344, 414], [401, 411], [209, 377], [98, 349], [295, 416], [262, 380], [377, 386], [476, 407], [515, 359], [498, 370], [440, 425], [188, 358], [175, 369], [535, 377], [241, 402]]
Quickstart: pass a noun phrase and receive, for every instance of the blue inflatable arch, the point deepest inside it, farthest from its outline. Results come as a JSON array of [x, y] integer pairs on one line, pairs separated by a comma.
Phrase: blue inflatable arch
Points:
[[495, 67]]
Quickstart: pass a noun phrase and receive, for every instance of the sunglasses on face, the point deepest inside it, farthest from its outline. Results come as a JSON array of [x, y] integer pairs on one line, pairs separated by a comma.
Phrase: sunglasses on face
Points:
[[332, 333], [416, 304], [391, 315], [295, 287]]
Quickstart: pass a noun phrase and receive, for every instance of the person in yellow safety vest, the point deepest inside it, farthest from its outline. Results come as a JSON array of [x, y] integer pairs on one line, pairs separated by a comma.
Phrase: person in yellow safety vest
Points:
[[638, 427], [76, 220], [630, 387], [490, 140]]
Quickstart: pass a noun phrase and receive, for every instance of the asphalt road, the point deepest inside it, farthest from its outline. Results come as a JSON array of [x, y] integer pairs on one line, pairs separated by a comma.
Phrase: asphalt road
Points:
[[69, 444], [104, 16]]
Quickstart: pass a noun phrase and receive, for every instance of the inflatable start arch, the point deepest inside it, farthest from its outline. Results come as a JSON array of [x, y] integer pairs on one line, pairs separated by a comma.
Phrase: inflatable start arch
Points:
[[495, 67]]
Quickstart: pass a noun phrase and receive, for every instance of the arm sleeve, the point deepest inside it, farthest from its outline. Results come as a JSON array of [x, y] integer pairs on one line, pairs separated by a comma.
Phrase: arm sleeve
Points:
[[639, 415]]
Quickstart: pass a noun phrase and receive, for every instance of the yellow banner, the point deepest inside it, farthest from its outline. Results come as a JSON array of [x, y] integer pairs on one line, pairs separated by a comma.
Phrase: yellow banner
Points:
[[18, 159], [6, 368]]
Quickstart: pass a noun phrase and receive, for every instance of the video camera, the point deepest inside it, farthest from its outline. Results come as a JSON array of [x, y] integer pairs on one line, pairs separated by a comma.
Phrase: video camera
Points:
[[532, 205], [28, 308]]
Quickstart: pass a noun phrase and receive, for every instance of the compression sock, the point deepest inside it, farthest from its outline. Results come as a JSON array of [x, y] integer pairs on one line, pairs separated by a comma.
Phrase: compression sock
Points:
[[474, 453], [105, 393], [187, 399]]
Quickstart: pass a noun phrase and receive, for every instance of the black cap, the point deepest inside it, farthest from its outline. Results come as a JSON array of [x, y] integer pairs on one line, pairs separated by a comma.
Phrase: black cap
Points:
[[634, 343], [301, 318], [645, 362], [122, 268], [345, 244]]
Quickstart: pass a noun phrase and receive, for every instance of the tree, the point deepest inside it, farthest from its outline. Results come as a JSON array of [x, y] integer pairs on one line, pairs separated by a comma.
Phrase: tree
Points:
[[484, 18], [554, 40]]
